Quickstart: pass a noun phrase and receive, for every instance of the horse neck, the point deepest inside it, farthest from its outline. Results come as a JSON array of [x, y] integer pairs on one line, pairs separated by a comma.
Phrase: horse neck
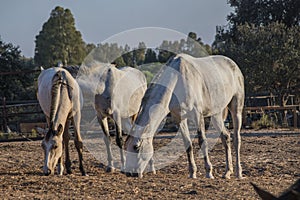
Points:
[[155, 105], [111, 86]]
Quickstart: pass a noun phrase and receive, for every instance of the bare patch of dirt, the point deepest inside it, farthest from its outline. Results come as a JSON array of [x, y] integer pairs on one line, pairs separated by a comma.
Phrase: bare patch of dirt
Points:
[[271, 159]]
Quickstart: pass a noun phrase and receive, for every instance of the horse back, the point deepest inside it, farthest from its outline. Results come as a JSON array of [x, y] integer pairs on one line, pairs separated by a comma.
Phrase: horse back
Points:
[[208, 84]]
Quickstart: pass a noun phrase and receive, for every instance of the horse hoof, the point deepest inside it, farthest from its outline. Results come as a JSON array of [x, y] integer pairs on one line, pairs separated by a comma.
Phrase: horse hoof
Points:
[[240, 177], [110, 169], [226, 176], [131, 174], [210, 176], [193, 176]]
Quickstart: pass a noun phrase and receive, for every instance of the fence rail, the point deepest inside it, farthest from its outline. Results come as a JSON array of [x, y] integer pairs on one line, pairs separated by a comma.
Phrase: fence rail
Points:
[[293, 109], [14, 115]]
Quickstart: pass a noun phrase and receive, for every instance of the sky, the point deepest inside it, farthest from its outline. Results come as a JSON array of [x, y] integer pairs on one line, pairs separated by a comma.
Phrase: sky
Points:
[[97, 20]]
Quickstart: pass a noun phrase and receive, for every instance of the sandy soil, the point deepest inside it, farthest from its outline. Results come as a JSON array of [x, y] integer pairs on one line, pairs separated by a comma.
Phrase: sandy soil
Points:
[[271, 159]]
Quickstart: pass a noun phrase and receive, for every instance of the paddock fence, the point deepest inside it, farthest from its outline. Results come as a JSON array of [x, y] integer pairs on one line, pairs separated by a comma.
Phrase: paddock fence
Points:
[[26, 116]]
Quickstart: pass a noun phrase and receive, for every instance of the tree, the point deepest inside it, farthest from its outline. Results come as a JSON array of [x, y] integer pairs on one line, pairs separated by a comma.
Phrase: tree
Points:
[[128, 56], [264, 12], [59, 40], [259, 13], [150, 56], [15, 82], [195, 47], [139, 53], [191, 45], [106, 53], [263, 38], [269, 58], [89, 48], [165, 51]]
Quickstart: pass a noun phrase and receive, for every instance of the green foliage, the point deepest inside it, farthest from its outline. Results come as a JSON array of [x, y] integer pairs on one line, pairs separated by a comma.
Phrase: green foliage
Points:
[[263, 38], [191, 45], [107, 53], [150, 56], [14, 86], [59, 40], [89, 48], [128, 56], [264, 12], [263, 122], [150, 70], [139, 53], [113, 53], [269, 58]]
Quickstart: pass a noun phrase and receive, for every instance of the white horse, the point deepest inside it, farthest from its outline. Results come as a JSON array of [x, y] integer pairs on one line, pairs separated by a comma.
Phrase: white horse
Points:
[[60, 99], [118, 94], [191, 88]]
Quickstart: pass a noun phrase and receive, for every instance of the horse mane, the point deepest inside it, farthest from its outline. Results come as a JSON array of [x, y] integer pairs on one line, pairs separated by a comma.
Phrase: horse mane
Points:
[[156, 79]]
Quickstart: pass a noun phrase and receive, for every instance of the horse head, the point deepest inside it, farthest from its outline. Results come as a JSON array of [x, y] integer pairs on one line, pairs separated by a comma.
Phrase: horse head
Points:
[[53, 147]]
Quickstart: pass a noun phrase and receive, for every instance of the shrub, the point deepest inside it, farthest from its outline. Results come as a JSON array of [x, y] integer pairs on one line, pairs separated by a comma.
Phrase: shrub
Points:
[[263, 122]]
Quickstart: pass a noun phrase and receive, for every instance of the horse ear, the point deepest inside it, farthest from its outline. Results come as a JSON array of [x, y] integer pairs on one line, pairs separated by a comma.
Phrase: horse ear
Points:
[[262, 193]]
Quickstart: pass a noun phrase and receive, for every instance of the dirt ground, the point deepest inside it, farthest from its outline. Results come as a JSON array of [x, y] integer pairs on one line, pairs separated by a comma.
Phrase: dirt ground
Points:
[[271, 159]]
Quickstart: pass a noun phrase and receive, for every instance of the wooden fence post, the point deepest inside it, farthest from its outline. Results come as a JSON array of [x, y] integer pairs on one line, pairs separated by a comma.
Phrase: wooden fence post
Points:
[[295, 118], [4, 114]]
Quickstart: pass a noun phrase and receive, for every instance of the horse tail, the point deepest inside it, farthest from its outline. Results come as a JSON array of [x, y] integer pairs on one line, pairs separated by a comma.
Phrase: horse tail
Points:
[[56, 80]]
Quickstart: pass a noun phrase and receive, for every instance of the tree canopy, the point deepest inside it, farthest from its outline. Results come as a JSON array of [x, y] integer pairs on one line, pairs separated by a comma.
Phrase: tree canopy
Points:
[[265, 44], [264, 12], [59, 40], [192, 45], [15, 82]]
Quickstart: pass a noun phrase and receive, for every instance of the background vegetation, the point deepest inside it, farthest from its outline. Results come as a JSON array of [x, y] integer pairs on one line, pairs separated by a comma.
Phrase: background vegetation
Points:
[[262, 36]]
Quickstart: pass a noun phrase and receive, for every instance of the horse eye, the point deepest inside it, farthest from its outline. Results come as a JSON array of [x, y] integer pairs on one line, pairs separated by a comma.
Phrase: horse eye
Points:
[[54, 146]]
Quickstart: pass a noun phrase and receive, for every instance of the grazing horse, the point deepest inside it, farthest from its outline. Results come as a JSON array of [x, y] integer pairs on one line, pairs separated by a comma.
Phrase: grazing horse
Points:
[[60, 99], [117, 94], [190, 88], [119, 99], [292, 193]]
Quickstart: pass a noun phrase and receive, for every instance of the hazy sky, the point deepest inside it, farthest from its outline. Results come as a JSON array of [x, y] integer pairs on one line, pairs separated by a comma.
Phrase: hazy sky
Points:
[[97, 20]]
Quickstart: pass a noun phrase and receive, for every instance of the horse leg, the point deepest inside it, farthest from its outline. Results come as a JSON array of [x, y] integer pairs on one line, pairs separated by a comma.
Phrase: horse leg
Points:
[[202, 140], [218, 123], [152, 167], [225, 137], [66, 139], [120, 143], [236, 109], [60, 167], [189, 148], [78, 142], [107, 140]]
